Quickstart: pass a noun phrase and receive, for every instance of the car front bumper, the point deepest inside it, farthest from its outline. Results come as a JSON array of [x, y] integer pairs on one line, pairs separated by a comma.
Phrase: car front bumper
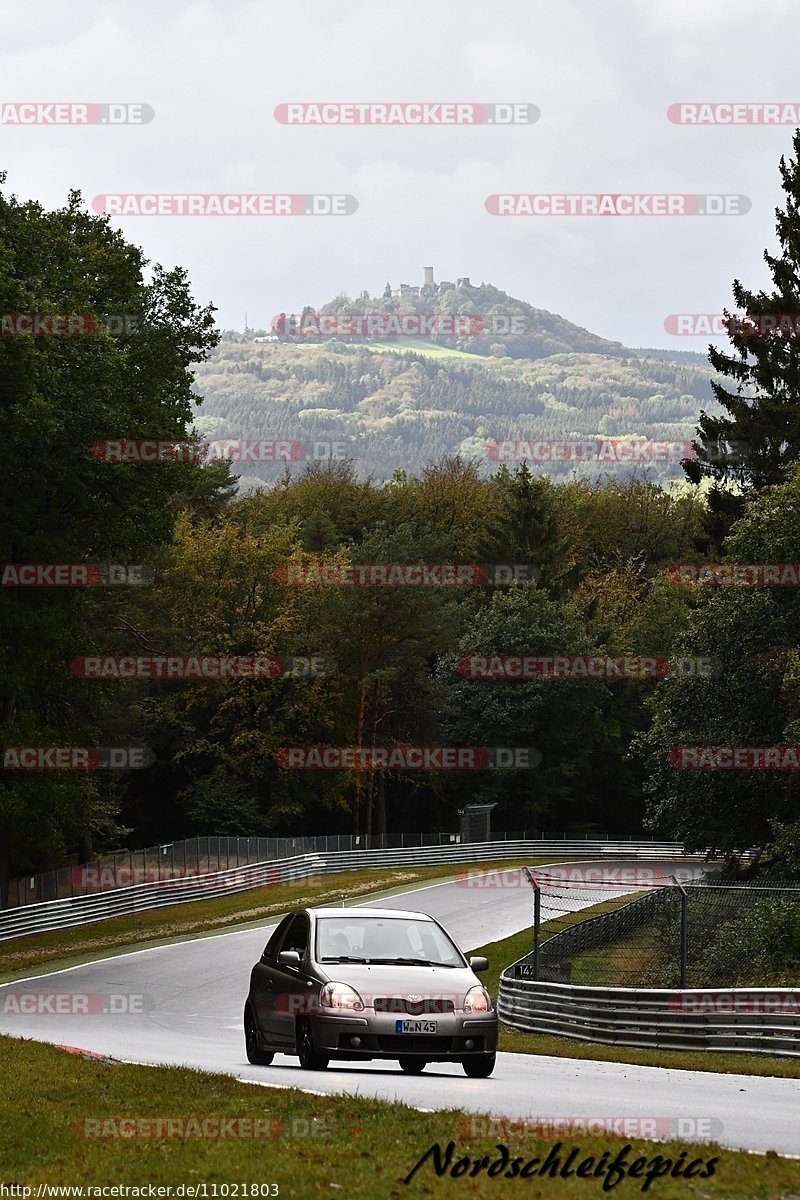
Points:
[[457, 1036]]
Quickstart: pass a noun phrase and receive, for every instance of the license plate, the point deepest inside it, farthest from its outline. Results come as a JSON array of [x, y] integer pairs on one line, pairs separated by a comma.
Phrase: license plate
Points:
[[415, 1026]]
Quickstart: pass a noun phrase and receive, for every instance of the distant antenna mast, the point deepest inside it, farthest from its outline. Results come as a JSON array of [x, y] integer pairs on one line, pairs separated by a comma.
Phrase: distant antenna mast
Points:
[[245, 320]]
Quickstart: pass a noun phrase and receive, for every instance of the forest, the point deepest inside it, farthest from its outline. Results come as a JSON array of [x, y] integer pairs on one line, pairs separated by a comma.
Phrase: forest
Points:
[[172, 560]]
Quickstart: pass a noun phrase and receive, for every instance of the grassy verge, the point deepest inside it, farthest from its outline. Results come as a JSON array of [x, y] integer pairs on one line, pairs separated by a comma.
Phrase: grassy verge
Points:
[[502, 954], [429, 349], [314, 1146], [626, 962], [65, 947], [516, 1041]]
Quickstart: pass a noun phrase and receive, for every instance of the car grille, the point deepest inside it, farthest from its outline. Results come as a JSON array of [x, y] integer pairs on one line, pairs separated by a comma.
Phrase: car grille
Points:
[[415, 1043], [399, 1004]]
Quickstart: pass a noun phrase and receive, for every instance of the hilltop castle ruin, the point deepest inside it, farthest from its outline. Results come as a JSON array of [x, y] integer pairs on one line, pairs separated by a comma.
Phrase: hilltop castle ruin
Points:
[[427, 288]]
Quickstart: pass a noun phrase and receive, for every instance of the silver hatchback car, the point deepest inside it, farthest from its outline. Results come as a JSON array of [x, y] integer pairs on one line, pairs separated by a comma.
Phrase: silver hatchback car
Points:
[[356, 984]]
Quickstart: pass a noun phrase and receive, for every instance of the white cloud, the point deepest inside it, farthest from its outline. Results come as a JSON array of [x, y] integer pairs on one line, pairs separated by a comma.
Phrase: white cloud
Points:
[[603, 76]]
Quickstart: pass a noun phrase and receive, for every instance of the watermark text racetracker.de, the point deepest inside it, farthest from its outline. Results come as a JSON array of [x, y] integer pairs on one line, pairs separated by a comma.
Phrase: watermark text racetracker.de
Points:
[[73, 1004], [735, 574], [578, 876], [409, 112], [650, 1128], [107, 878], [735, 758], [250, 450], [384, 325], [732, 324], [72, 574], [251, 204], [327, 574], [737, 112], [77, 758], [207, 1128], [582, 666], [37, 324], [756, 1002], [38, 112], [615, 204], [599, 450], [201, 666], [407, 758], [416, 1004]]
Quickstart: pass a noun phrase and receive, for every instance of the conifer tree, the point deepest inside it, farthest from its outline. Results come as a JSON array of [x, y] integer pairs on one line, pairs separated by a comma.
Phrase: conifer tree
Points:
[[759, 436]]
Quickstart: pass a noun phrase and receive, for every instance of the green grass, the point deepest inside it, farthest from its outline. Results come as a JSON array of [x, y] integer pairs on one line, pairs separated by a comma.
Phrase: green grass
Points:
[[319, 1146], [516, 1041], [628, 962], [24, 955], [429, 349], [398, 345], [502, 954]]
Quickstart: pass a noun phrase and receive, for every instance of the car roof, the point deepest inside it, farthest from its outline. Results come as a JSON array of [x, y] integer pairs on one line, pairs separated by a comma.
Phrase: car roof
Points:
[[362, 910]]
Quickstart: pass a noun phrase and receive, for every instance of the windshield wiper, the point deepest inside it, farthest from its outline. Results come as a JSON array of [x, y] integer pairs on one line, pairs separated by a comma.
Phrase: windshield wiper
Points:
[[343, 958], [414, 962]]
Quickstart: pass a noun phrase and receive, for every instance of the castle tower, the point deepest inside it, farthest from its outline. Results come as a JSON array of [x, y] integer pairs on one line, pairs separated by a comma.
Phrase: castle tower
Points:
[[428, 276]]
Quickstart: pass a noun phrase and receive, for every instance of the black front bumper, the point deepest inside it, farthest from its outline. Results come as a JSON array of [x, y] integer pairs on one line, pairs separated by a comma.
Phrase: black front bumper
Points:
[[378, 1039]]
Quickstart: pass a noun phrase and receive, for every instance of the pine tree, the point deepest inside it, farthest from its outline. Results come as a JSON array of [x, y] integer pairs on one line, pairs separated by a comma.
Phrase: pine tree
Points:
[[751, 447]]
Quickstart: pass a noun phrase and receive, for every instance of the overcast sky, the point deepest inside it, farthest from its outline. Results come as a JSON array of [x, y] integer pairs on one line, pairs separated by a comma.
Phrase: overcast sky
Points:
[[602, 74]]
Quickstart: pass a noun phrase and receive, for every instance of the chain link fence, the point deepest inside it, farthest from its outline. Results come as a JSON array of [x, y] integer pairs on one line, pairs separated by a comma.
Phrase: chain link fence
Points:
[[645, 932], [202, 855]]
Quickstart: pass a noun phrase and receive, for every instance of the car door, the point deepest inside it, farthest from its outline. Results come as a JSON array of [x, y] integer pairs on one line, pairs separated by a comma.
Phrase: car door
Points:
[[262, 980], [292, 985]]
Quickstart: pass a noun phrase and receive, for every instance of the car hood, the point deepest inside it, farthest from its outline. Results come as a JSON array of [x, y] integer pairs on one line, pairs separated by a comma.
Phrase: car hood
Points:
[[450, 983]]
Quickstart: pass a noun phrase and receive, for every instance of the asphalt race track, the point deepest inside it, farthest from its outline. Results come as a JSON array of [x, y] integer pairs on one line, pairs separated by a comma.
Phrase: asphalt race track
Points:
[[187, 1001]]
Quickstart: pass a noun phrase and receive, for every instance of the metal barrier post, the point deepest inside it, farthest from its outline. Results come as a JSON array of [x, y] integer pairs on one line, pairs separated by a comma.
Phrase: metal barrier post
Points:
[[684, 929], [537, 919]]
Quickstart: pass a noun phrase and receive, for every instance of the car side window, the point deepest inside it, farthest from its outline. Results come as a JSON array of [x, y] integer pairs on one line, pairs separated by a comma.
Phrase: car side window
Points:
[[296, 937], [272, 945]]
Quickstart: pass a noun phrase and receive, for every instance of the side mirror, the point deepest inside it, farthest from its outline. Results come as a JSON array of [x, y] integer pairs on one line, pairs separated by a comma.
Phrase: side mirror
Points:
[[479, 963], [289, 958]]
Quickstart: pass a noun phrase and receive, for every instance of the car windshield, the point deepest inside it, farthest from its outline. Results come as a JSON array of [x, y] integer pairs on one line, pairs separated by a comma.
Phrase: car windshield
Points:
[[405, 941]]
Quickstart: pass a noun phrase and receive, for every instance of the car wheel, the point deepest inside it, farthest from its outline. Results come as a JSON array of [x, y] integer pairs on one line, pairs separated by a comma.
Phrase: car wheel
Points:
[[411, 1065], [255, 1055], [309, 1059], [479, 1068]]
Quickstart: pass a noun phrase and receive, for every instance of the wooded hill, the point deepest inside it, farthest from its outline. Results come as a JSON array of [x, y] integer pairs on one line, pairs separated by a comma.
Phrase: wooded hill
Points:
[[401, 402]]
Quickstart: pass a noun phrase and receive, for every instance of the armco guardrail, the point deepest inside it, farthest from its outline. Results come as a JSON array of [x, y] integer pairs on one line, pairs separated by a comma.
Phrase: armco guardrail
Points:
[[753, 1020], [65, 914], [758, 1020], [208, 853]]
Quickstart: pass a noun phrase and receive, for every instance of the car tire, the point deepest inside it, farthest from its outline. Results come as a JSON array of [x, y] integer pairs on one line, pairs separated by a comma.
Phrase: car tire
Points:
[[255, 1055], [479, 1067], [412, 1065], [309, 1059]]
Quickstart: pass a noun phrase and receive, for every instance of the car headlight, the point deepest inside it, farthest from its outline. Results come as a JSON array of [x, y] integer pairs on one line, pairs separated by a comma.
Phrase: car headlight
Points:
[[477, 1000], [341, 996]]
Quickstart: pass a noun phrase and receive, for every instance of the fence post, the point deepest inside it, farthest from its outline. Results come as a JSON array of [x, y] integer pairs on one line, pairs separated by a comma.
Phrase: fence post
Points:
[[684, 930], [537, 918], [684, 935]]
